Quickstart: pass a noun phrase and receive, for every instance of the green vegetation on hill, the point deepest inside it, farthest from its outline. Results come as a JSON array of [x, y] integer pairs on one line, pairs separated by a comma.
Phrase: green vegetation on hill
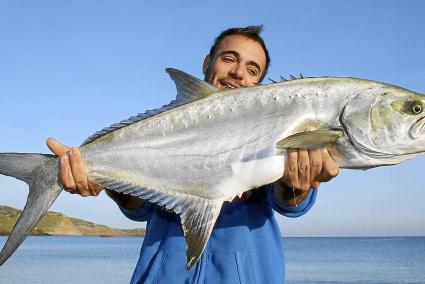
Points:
[[54, 223]]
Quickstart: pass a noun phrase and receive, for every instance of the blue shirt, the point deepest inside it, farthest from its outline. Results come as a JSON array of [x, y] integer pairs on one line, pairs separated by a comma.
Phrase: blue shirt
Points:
[[245, 245]]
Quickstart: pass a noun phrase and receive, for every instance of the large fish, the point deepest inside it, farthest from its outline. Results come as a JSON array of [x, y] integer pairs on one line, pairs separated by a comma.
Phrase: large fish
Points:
[[209, 146]]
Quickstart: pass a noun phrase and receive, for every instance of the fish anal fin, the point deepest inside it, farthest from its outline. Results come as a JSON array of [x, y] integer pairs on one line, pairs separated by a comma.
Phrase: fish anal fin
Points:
[[197, 214], [198, 221], [311, 139]]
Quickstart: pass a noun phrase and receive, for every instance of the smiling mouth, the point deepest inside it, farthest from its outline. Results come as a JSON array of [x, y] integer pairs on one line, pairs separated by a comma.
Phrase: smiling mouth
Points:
[[418, 128], [230, 85]]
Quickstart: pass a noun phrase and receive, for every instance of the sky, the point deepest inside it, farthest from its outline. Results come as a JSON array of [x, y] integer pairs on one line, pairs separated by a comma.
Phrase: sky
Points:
[[70, 68]]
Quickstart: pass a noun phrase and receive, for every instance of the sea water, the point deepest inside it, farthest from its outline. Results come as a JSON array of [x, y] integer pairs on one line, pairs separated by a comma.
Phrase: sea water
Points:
[[72, 260], [308, 260], [355, 260]]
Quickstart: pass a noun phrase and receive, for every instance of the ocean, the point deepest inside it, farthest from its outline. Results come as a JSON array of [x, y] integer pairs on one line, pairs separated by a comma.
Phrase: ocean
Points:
[[308, 260]]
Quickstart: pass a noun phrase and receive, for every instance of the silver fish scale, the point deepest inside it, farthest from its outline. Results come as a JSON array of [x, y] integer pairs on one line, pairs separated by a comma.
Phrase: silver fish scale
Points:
[[192, 148]]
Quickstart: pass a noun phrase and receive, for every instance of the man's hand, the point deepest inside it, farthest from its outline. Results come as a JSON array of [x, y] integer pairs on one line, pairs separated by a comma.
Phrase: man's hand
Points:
[[304, 169], [73, 170], [74, 176]]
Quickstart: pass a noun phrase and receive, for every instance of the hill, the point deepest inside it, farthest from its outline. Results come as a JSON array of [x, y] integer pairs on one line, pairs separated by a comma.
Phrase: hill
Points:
[[55, 223]]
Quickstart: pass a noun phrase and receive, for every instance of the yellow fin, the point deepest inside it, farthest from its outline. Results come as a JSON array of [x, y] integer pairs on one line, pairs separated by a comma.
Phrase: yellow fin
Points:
[[311, 139]]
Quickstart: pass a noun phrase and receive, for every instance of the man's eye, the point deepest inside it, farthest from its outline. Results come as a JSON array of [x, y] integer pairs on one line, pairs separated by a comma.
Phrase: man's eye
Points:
[[252, 72], [228, 59]]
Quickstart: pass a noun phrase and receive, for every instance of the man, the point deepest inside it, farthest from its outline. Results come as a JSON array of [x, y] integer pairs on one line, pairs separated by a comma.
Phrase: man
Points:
[[245, 246]]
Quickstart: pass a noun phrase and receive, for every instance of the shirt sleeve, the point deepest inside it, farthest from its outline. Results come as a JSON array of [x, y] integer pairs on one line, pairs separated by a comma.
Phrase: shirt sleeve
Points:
[[140, 214], [291, 211]]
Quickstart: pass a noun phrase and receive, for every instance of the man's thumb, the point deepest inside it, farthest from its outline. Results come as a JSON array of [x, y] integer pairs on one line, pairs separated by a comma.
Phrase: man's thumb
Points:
[[56, 147]]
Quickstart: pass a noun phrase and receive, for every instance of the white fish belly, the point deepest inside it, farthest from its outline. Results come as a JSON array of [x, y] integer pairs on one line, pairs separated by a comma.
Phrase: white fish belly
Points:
[[252, 174]]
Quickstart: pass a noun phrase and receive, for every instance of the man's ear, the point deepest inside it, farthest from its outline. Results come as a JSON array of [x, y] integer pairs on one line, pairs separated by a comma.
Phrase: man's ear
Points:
[[207, 62]]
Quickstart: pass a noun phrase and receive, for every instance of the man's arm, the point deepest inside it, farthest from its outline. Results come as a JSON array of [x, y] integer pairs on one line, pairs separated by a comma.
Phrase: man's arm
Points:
[[74, 176]]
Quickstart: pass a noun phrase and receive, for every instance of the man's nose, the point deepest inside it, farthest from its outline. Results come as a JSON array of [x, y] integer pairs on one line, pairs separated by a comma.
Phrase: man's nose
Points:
[[237, 72]]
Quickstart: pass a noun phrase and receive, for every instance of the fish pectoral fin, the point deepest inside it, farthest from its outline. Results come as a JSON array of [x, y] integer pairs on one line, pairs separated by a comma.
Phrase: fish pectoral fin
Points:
[[311, 139], [198, 221], [190, 88]]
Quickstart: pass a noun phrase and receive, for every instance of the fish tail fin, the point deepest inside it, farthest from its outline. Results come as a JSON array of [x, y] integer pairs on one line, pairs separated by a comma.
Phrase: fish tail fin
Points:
[[41, 173]]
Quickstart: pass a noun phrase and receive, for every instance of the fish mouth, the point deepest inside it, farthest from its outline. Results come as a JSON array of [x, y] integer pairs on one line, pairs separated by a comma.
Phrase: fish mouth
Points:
[[418, 128]]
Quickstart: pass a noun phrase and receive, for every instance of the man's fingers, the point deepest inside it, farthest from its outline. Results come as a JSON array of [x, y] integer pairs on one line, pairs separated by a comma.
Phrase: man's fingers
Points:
[[304, 169], [78, 170], [315, 157], [68, 180], [56, 147], [94, 188], [73, 170], [290, 175], [330, 168], [60, 150], [66, 175]]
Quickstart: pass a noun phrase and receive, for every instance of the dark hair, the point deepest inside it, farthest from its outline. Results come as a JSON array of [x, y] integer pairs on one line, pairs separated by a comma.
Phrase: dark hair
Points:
[[251, 32]]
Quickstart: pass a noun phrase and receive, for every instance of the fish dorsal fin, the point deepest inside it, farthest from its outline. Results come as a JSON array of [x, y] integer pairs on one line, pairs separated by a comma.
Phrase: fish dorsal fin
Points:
[[311, 139], [189, 89], [198, 215]]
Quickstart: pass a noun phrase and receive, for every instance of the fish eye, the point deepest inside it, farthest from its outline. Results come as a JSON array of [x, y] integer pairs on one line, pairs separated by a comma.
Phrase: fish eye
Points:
[[409, 107], [417, 109]]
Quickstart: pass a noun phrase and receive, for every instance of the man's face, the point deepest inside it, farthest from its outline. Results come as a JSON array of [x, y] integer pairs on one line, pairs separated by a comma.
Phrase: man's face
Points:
[[238, 61]]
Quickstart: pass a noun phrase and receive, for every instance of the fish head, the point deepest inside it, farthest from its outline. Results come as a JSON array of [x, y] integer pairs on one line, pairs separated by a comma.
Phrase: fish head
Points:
[[386, 122]]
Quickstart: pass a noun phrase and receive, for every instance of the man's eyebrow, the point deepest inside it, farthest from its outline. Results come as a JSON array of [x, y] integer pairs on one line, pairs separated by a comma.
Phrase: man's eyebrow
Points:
[[235, 53]]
